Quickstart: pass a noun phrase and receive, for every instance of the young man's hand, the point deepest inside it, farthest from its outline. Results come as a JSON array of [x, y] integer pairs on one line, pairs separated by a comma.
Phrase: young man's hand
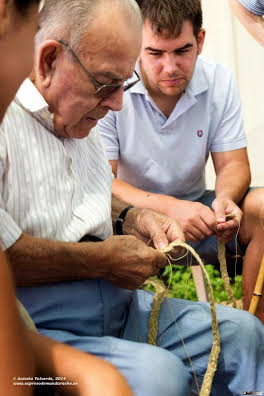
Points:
[[196, 219], [228, 216]]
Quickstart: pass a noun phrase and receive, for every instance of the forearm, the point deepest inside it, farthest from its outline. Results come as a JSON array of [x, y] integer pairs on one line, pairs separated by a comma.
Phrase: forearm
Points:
[[54, 359], [253, 23], [36, 260], [232, 182], [140, 198], [16, 355]]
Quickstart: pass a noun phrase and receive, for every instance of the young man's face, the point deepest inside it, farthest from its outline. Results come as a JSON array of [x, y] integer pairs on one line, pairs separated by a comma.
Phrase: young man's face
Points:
[[167, 64]]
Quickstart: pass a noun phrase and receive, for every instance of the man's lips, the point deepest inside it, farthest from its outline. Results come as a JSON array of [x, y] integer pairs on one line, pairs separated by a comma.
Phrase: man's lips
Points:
[[94, 118], [171, 82]]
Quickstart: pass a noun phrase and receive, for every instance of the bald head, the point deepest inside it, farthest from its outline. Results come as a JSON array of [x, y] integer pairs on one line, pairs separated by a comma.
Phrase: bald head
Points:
[[71, 19]]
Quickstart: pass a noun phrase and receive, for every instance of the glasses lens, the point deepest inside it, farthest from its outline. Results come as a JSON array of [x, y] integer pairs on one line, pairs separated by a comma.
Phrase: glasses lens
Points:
[[107, 90]]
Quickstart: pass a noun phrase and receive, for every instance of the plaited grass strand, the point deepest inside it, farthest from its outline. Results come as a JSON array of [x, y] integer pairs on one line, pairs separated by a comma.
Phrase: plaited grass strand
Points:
[[213, 359], [154, 315], [223, 269]]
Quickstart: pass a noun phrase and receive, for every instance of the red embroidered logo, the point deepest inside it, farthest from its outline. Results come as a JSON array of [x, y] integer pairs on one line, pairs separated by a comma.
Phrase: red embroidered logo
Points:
[[200, 133]]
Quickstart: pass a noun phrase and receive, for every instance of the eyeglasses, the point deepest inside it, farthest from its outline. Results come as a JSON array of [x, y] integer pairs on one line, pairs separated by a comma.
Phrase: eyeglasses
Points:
[[101, 90]]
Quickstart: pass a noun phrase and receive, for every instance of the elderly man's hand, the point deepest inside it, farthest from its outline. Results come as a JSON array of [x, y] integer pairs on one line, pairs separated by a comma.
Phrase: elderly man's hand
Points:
[[130, 262], [153, 228]]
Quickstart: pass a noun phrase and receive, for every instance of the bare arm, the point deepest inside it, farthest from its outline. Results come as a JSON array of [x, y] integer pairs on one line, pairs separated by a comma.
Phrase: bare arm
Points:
[[232, 182], [38, 260], [92, 375], [16, 355], [196, 219], [232, 174], [253, 23], [137, 197], [123, 260]]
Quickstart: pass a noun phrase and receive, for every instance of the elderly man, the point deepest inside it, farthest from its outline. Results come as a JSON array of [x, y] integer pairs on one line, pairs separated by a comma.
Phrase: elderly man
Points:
[[56, 191], [250, 13], [185, 109]]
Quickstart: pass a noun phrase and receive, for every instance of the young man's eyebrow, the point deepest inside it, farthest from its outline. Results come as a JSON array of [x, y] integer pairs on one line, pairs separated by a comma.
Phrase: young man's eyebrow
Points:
[[154, 49], [186, 46]]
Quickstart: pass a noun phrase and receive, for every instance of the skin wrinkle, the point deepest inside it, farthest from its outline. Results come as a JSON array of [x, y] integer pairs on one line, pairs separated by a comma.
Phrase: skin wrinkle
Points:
[[63, 78]]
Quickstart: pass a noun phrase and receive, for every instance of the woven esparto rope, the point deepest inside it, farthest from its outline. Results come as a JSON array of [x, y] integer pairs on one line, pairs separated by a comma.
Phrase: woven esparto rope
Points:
[[153, 321], [223, 269]]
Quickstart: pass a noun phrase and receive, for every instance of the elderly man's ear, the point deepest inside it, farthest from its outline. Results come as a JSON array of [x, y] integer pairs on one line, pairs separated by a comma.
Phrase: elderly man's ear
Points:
[[45, 64]]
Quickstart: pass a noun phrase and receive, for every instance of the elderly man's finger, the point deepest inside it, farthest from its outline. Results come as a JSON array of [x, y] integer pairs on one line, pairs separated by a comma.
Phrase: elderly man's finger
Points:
[[159, 238], [173, 231]]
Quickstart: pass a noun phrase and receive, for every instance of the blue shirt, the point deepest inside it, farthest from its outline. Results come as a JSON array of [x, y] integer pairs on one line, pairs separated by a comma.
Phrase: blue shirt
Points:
[[255, 6], [168, 155]]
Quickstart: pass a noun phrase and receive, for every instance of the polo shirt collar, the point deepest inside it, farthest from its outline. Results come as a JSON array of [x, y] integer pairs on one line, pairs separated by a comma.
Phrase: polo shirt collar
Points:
[[139, 88], [198, 84]]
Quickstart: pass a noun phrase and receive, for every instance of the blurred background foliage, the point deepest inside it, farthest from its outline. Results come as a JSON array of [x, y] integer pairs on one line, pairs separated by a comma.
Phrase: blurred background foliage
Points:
[[181, 284]]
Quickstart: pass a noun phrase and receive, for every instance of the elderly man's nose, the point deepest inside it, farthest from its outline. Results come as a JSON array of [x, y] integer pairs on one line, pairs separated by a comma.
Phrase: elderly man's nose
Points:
[[114, 101]]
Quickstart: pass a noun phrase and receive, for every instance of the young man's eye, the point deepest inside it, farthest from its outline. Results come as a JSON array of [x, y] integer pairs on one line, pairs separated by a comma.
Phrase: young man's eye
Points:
[[182, 51], [154, 53]]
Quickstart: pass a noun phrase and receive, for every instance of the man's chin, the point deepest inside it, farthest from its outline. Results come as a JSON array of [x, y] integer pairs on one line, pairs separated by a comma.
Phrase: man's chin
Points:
[[77, 133], [83, 134], [172, 92]]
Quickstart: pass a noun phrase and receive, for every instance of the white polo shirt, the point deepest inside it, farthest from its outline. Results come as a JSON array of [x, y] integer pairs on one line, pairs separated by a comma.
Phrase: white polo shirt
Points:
[[255, 6], [168, 156]]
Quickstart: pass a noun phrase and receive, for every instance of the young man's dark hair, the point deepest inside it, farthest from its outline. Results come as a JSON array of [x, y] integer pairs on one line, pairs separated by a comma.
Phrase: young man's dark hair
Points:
[[24, 6], [167, 16]]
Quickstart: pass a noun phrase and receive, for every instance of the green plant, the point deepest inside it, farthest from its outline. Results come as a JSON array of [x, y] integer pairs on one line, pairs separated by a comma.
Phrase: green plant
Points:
[[182, 284]]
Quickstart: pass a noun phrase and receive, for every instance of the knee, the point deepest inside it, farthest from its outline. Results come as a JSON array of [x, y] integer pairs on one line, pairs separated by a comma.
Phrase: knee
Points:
[[253, 204], [249, 331], [241, 329], [161, 373]]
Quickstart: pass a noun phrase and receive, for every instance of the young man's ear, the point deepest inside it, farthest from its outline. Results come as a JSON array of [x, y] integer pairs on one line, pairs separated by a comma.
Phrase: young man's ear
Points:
[[200, 40], [46, 61]]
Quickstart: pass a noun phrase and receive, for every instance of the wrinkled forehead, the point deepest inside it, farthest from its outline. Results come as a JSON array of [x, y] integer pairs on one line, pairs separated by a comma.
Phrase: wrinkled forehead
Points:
[[111, 47]]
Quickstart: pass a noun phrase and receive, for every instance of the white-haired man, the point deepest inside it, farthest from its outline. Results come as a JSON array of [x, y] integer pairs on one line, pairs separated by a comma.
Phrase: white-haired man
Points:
[[56, 190]]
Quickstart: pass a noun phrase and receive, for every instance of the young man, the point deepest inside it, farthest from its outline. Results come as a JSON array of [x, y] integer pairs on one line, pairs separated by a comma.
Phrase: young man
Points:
[[250, 13], [185, 108]]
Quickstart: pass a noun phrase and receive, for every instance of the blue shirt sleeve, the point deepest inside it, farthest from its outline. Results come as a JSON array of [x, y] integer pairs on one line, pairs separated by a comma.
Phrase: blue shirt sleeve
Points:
[[254, 6], [108, 132]]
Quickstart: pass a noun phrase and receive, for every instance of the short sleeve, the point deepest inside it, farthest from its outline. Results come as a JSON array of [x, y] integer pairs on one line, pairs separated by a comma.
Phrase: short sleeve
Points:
[[229, 132], [254, 6], [108, 132]]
